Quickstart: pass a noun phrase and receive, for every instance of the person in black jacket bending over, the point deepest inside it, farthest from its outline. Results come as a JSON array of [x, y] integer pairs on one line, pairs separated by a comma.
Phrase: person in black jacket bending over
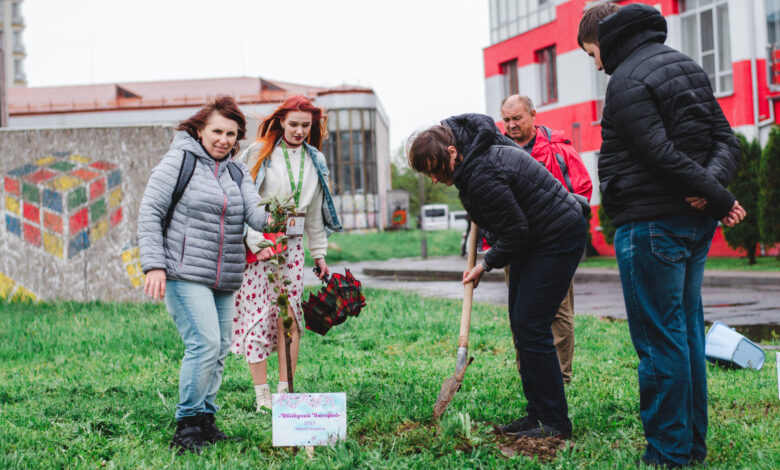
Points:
[[537, 229], [667, 155]]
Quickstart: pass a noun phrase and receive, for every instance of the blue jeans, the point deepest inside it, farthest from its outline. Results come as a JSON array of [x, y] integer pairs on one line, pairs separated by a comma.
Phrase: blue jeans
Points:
[[538, 282], [661, 268], [203, 317]]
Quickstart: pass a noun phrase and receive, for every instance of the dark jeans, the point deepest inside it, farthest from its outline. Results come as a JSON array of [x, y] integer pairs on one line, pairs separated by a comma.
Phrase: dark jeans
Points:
[[661, 267], [538, 283]]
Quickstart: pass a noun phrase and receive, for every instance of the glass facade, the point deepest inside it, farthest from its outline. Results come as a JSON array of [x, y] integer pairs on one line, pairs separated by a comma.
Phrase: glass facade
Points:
[[509, 18], [350, 150]]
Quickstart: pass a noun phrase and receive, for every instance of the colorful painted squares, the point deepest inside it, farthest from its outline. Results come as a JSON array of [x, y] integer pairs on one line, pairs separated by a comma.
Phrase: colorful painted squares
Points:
[[131, 258], [63, 203]]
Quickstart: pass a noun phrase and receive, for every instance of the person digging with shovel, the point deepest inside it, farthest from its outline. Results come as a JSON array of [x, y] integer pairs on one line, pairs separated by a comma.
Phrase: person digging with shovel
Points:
[[538, 229]]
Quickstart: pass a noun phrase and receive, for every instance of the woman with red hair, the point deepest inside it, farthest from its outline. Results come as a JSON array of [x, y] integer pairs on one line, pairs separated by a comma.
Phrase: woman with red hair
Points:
[[284, 159]]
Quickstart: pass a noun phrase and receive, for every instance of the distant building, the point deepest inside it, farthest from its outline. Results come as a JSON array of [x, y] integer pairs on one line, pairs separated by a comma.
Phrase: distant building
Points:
[[534, 51], [358, 149], [11, 28]]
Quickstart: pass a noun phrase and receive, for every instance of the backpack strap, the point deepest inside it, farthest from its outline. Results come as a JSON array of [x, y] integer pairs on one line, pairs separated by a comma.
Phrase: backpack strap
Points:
[[559, 159], [547, 132], [564, 171], [185, 175], [236, 173], [186, 171]]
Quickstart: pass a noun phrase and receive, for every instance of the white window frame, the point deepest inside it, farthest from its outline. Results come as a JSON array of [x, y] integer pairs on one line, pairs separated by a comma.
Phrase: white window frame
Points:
[[773, 47], [696, 11], [510, 77], [546, 79]]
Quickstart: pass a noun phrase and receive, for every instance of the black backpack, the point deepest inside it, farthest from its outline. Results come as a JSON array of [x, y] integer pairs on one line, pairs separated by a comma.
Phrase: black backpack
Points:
[[185, 175]]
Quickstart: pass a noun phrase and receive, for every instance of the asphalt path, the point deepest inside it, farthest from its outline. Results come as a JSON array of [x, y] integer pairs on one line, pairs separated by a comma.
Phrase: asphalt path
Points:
[[737, 304]]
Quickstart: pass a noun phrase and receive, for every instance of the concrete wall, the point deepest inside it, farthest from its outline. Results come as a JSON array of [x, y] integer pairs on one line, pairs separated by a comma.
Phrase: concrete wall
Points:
[[70, 201]]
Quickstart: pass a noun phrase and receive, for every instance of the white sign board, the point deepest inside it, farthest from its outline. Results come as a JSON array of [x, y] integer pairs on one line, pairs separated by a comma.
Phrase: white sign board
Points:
[[308, 419]]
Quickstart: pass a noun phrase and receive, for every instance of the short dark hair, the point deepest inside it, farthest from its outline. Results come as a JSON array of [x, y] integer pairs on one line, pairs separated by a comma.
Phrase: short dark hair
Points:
[[224, 105], [427, 150], [589, 24]]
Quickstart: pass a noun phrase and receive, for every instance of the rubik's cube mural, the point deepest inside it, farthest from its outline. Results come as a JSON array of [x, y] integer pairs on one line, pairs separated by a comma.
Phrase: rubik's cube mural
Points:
[[63, 205], [13, 291], [131, 259]]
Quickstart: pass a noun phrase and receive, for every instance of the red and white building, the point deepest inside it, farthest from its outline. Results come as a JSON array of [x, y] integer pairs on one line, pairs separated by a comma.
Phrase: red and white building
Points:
[[534, 52]]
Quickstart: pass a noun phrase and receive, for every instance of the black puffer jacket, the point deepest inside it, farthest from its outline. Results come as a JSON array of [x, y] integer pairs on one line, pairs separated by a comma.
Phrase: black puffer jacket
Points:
[[507, 192], [664, 135]]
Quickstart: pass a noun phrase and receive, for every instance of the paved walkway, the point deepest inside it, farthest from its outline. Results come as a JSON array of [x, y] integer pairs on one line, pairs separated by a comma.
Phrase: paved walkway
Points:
[[734, 297]]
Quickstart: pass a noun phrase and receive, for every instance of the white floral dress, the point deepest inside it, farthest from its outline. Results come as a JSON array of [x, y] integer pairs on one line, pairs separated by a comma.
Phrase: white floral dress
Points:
[[255, 331]]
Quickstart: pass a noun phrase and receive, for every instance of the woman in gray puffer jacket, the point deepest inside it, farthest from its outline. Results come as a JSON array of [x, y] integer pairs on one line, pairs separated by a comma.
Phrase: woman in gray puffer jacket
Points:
[[194, 256]]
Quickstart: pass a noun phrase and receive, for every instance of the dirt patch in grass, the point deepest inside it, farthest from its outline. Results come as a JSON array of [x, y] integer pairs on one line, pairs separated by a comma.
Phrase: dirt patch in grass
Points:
[[544, 448]]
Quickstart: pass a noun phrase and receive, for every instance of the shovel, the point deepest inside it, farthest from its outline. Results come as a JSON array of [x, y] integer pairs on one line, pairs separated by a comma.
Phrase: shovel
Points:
[[452, 385]]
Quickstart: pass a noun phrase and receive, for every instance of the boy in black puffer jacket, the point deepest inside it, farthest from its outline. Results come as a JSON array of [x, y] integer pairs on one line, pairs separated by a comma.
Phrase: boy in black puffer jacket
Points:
[[667, 155], [537, 229]]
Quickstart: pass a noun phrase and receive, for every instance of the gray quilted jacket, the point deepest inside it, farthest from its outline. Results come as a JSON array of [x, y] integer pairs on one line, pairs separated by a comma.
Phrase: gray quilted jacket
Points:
[[204, 243]]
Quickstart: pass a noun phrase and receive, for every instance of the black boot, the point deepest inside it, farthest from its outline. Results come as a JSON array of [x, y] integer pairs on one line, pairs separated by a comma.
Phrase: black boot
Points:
[[523, 424], [189, 436], [211, 432]]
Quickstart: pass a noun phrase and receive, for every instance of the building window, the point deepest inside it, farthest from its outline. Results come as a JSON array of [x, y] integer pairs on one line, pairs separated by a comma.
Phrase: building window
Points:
[[16, 12], [773, 39], [706, 39], [18, 46], [19, 70], [509, 75], [508, 18], [548, 78]]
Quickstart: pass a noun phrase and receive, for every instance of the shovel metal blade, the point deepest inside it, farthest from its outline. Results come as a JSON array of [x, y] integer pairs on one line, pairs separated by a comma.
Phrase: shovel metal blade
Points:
[[448, 390]]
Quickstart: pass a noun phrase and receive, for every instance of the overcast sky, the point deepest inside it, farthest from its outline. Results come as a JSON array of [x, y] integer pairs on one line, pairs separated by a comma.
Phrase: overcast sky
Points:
[[423, 58]]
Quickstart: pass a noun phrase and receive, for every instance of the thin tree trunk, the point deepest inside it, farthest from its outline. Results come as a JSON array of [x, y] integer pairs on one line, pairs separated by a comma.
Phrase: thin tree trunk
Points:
[[287, 342]]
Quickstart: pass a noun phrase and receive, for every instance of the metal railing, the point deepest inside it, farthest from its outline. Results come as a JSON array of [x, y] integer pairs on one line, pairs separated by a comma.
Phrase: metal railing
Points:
[[271, 96]]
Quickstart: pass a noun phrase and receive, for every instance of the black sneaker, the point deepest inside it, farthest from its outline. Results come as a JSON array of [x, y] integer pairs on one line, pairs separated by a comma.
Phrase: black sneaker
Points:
[[211, 432], [542, 430], [523, 424], [189, 436], [660, 465]]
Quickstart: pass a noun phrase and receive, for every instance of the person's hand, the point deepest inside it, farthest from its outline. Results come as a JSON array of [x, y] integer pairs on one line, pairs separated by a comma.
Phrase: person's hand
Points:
[[698, 203], [474, 275], [154, 286], [736, 214], [324, 272], [265, 254]]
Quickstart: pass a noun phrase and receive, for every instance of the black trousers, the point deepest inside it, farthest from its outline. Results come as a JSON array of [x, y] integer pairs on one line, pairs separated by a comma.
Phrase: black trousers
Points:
[[538, 283]]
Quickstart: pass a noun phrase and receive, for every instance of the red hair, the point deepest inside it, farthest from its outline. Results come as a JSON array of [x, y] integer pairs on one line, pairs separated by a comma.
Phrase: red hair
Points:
[[271, 130]]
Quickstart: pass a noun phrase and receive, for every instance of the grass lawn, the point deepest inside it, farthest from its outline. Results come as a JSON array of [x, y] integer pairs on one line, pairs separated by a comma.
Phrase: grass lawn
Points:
[[765, 263], [376, 246], [94, 386]]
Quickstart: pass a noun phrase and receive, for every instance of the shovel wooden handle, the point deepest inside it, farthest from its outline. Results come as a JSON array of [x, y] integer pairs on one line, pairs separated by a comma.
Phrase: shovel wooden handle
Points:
[[468, 291]]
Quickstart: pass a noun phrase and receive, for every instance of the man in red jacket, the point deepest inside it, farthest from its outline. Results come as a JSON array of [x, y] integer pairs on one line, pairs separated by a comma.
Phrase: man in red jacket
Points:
[[559, 157]]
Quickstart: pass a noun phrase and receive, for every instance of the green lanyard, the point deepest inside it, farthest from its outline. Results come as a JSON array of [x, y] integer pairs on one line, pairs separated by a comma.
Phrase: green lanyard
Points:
[[296, 190]]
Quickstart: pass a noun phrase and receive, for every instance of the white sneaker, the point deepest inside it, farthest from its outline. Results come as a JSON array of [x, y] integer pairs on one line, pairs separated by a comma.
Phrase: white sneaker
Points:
[[282, 388], [263, 399]]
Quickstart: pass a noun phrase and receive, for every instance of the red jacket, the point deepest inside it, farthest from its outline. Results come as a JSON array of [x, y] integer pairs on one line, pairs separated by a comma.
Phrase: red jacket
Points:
[[556, 153]]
